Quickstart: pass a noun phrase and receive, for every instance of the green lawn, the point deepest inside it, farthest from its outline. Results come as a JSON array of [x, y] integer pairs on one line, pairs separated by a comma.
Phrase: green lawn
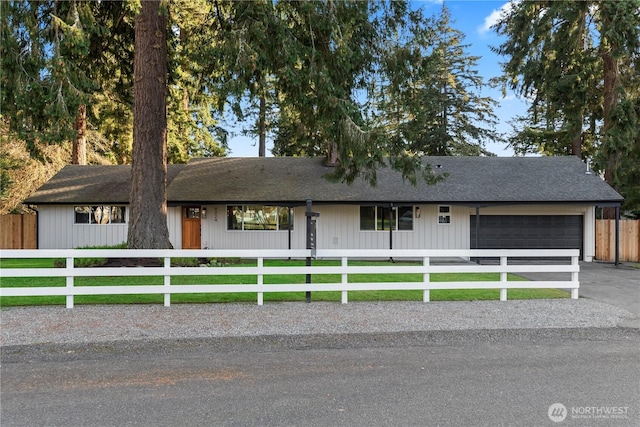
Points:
[[394, 295]]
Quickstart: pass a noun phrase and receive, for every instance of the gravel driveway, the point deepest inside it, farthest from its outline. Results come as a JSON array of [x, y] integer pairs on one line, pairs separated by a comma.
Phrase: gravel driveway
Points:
[[102, 323]]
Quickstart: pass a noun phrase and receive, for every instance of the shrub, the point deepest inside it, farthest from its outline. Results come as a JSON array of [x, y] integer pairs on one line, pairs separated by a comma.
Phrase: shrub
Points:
[[89, 262]]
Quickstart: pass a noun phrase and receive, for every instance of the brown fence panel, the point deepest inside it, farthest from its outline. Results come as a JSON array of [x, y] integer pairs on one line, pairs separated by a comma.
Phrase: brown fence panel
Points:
[[18, 232], [10, 232], [29, 232], [602, 240], [629, 240]]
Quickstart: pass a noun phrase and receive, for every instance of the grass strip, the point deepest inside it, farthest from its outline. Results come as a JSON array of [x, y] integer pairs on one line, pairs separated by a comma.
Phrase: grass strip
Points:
[[197, 298]]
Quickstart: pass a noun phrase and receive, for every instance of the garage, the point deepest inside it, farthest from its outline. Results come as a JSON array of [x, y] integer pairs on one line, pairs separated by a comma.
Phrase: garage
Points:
[[528, 232]]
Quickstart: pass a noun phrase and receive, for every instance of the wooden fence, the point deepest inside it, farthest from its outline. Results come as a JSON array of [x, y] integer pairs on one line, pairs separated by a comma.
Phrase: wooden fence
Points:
[[18, 231], [629, 240], [564, 262]]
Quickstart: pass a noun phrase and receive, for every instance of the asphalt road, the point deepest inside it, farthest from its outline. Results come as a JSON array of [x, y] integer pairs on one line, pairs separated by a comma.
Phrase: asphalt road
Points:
[[475, 378]]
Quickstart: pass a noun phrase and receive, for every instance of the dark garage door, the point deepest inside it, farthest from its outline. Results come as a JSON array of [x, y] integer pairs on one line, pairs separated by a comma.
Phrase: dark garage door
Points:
[[528, 232]]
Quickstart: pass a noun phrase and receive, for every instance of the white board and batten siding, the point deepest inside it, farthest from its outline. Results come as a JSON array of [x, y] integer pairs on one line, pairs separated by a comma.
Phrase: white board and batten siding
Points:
[[174, 224], [338, 227], [214, 233], [57, 230]]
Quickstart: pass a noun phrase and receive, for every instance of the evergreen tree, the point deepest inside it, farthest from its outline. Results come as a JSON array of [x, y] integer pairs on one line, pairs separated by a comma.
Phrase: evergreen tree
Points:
[[429, 100], [44, 85], [193, 130], [569, 58]]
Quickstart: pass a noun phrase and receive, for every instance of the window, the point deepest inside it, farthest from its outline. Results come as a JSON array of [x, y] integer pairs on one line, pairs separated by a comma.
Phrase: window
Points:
[[405, 218], [192, 213], [444, 214], [100, 215], [255, 217], [380, 218]]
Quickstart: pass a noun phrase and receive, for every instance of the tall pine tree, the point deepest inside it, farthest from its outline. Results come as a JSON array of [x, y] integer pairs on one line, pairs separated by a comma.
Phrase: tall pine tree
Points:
[[429, 99], [569, 58]]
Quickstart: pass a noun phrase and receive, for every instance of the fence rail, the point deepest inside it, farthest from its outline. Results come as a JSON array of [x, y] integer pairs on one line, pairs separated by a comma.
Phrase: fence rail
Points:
[[629, 240], [433, 261]]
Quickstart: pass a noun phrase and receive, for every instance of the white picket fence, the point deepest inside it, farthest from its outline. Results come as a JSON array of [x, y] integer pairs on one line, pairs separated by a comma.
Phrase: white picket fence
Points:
[[433, 261]]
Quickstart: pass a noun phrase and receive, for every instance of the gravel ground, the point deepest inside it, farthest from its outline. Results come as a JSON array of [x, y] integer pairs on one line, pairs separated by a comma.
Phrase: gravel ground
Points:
[[104, 323]]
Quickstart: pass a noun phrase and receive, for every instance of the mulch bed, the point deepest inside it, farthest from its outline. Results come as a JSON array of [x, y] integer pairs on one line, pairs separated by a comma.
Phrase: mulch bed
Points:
[[133, 262]]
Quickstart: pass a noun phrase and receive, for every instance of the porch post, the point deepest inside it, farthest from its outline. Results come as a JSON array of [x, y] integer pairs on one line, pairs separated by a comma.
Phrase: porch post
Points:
[[617, 261], [311, 240], [290, 213], [478, 231], [390, 226], [477, 227]]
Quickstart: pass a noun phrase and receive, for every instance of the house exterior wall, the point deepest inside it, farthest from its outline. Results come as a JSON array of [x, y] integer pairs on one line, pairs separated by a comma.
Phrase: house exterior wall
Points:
[[338, 227], [56, 230], [174, 224]]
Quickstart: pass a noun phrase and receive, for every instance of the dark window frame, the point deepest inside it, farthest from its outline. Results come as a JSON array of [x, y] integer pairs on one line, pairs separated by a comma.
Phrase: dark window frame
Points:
[[259, 218], [385, 217], [95, 214]]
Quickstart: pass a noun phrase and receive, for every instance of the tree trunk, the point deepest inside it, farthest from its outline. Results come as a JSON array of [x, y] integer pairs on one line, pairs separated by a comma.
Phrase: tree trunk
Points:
[[262, 127], [576, 146], [576, 142], [79, 155], [148, 199], [611, 83], [332, 154], [611, 79]]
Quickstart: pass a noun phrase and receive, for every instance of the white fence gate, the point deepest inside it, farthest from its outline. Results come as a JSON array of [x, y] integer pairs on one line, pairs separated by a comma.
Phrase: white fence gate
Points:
[[564, 262]]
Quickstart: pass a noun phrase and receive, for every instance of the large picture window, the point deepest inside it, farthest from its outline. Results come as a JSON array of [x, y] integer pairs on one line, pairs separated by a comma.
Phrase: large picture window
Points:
[[257, 217], [381, 218], [100, 215]]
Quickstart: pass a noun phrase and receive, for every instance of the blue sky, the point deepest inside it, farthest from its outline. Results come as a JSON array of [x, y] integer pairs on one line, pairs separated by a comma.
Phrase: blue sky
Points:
[[473, 18]]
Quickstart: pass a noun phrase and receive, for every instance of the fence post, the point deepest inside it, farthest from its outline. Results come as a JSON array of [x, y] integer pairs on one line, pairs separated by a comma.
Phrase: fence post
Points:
[[574, 277], [260, 280], [167, 281], [503, 278], [70, 266], [345, 280], [426, 278]]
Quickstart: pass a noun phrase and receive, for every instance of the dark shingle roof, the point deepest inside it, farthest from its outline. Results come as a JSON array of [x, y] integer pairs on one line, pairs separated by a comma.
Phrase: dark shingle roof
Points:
[[92, 184], [471, 180]]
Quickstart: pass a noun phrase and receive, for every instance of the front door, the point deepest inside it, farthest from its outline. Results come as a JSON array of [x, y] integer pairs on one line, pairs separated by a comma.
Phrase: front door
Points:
[[191, 227]]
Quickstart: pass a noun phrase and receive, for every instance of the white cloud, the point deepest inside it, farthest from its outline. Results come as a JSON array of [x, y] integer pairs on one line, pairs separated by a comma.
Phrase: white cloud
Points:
[[495, 16]]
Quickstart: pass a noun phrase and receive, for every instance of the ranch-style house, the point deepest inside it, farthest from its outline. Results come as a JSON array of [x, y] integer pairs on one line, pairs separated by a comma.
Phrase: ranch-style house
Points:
[[260, 202]]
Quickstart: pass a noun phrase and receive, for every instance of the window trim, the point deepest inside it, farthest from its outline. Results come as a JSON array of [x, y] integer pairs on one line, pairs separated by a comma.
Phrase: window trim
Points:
[[446, 214]]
